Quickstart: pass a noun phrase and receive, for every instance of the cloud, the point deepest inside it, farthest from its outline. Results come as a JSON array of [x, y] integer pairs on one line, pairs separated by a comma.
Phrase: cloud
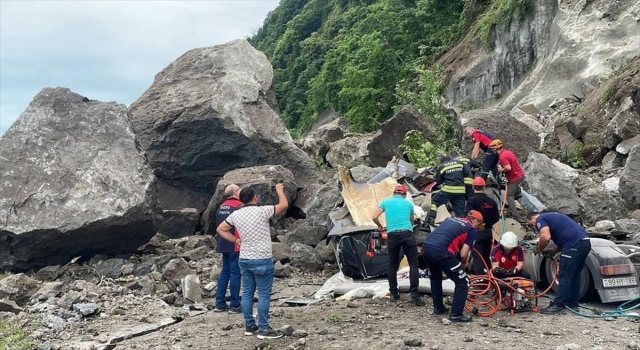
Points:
[[107, 50]]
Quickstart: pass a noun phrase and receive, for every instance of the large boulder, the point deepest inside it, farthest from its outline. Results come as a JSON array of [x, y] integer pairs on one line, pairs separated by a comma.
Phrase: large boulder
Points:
[[385, 142], [305, 234], [630, 179], [261, 178], [600, 204], [304, 257], [73, 183], [515, 135], [552, 183], [18, 288], [179, 223], [349, 151], [316, 201], [211, 111]]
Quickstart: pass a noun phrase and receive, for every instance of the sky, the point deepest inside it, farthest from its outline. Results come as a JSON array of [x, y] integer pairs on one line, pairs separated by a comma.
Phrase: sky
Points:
[[107, 50]]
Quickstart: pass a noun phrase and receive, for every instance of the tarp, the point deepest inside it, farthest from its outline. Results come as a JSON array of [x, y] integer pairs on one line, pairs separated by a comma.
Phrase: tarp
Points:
[[403, 286]]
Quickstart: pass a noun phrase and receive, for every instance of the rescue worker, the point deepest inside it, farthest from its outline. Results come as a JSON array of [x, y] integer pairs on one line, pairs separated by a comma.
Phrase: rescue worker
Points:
[[573, 242], [481, 140], [230, 273], [399, 216], [450, 175], [507, 258], [470, 168], [491, 214], [455, 236], [515, 176]]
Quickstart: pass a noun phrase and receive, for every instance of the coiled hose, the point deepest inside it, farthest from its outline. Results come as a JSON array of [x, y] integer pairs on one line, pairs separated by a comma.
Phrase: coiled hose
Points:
[[485, 293]]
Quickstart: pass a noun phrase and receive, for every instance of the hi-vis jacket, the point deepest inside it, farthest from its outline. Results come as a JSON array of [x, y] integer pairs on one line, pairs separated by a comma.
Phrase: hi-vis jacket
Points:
[[470, 166], [450, 176]]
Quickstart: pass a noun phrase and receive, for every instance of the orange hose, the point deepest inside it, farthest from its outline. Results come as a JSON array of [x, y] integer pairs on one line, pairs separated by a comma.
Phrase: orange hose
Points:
[[484, 285]]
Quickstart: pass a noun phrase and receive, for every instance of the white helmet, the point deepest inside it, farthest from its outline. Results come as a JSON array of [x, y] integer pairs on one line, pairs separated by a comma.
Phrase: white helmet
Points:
[[509, 240]]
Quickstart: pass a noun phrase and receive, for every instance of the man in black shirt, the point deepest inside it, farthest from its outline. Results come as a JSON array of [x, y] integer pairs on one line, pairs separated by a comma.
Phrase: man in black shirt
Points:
[[489, 210]]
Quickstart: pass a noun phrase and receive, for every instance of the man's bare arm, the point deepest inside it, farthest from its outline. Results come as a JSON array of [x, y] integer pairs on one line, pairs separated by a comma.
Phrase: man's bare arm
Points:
[[224, 230], [283, 204]]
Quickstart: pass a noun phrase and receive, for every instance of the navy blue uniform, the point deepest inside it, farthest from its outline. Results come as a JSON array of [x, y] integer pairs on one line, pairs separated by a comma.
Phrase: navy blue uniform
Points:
[[574, 243], [489, 210], [230, 272], [450, 175], [439, 250]]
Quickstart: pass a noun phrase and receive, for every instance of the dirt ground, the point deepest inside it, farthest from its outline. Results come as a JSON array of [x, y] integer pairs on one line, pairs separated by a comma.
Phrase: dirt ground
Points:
[[377, 324]]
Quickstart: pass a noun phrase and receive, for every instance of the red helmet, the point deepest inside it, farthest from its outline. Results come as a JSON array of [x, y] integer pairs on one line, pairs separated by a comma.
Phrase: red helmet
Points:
[[478, 181], [400, 189]]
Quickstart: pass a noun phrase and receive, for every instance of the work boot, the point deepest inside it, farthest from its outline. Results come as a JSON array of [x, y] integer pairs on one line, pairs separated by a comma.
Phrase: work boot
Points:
[[552, 309], [460, 318], [416, 300], [440, 312], [394, 297]]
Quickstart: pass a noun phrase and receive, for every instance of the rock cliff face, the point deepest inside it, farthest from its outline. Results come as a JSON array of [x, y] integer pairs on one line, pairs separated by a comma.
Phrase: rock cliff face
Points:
[[211, 111], [73, 183], [560, 48]]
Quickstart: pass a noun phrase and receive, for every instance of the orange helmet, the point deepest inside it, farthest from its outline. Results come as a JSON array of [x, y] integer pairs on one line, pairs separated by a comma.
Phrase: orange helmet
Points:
[[400, 189], [478, 181], [474, 214]]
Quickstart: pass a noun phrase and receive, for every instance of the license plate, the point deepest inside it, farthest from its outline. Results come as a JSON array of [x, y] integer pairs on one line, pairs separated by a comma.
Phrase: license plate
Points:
[[618, 282]]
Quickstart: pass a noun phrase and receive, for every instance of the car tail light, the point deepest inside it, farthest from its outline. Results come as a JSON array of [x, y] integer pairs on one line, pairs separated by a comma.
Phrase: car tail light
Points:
[[610, 270]]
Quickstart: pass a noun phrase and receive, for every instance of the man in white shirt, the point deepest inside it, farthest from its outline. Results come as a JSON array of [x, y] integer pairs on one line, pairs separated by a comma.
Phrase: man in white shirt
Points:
[[256, 261]]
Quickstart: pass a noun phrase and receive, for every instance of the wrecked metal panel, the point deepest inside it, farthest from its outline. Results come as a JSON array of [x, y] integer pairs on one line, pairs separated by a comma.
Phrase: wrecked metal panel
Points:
[[362, 199]]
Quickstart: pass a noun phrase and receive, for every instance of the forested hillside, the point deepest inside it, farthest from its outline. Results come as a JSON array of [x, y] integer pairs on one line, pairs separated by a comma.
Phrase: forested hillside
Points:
[[365, 58]]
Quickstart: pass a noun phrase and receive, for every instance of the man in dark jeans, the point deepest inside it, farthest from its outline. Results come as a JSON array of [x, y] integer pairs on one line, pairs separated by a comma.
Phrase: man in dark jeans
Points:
[[490, 213], [439, 249], [574, 244], [399, 216], [230, 273]]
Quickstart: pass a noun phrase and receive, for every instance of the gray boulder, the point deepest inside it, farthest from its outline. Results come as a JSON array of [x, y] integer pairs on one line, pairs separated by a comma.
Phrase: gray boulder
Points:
[[330, 132], [73, 183], [179, 223], [625, 123], [305, 234], [315, 148], [600, 204], [362, 173], [630, 179], [261, 178], [385, 142], [211, 111], [19, 288], [325, 252], [611, 161], [349, 152], [280, 252], [176, 270], [552, 183], [625, 146], [316, 201], [515, 135], [304, 257], [629, 225]]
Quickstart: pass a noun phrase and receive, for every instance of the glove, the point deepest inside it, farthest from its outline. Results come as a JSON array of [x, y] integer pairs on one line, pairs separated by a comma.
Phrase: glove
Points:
[[512, 272], [499, 271]]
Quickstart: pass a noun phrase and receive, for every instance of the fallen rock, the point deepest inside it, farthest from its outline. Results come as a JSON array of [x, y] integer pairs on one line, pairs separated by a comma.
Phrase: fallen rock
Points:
[[194, 242], [415, 342], [612, 185], [7, 305], [179, 223], [515, 135], [104, 198], [304, 257], [325, 252], [48, 291], [611, 160], [630, 181], [349, 152], [363, 173], [552, 183], [330, 132], [570, 346], [316, 201], [281, 252], [282, 271], [625, 146], [385, 143], [226, 118], [111, 268], [19, 288], [629, 225], [287, 330], [196, 254], [176, 270], [300, 333], [600, 204], [261, 178], [191, 289], [69, 298], [49, 273], [86, 309], [306, 234]]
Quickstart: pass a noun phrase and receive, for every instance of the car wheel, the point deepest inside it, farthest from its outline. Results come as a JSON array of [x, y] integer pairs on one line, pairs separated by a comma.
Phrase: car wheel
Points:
[[587, 288]]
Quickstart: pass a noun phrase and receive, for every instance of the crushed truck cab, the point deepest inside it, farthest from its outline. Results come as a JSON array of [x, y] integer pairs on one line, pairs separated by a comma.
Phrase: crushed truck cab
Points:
[[608, 272]]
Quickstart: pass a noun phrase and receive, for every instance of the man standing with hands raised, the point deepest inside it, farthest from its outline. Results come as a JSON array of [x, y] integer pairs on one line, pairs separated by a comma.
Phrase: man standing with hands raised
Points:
[[256, 260]]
